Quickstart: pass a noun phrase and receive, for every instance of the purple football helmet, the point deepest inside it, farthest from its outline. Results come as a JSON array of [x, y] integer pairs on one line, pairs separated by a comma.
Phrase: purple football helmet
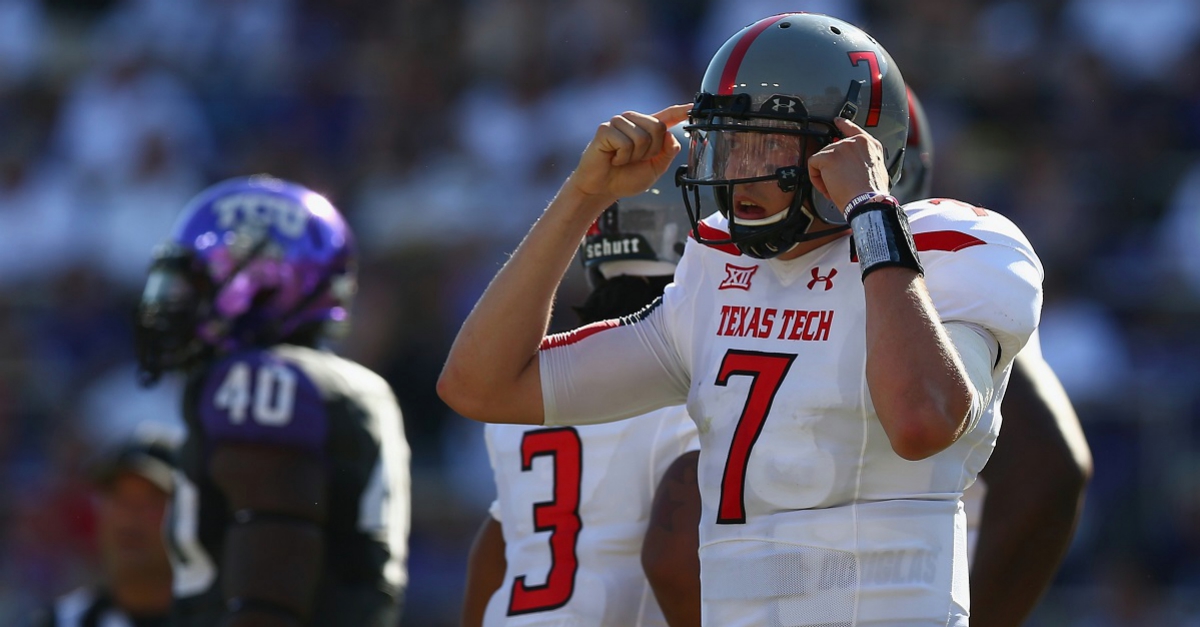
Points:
[[251, 261]]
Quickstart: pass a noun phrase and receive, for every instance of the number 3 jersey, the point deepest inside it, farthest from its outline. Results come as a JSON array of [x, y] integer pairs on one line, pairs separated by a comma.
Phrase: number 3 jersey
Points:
[[574, 504], [809, 517], [323, 405]]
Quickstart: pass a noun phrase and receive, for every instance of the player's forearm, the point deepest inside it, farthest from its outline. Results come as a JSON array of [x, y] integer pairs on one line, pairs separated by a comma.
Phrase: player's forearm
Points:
[[271, 573], [1019, 550], [670, 552], [918, 385], [486, 564], [490, 373], [1031, 509]]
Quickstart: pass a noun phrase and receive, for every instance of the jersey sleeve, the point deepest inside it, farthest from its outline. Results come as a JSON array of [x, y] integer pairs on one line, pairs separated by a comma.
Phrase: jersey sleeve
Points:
[[260, 398], [979, 269], [612, 369]]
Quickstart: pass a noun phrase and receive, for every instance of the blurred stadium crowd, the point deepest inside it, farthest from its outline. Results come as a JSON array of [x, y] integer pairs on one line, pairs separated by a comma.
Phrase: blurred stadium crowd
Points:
[[442, 127]]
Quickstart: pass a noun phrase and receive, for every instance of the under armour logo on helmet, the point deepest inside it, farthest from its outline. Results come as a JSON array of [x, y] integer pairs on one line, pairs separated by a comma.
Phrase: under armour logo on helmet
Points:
[[778, 104]]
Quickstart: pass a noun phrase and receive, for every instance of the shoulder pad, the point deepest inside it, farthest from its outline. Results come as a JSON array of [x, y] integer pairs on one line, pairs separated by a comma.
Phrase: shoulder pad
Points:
[[260, 397], [979, 268], [949, 224]]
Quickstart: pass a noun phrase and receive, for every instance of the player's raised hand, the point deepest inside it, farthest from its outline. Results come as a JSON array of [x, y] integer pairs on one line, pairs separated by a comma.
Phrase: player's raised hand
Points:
[[628, 153], [849, 166]]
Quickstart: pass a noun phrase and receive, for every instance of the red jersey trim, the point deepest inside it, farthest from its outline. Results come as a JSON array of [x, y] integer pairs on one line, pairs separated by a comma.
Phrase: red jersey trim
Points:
[[571, 337], [713, 233], [738, 54], [945, 240]]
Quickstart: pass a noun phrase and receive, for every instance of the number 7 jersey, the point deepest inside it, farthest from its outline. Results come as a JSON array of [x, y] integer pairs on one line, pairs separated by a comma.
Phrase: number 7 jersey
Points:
[[809, 516]]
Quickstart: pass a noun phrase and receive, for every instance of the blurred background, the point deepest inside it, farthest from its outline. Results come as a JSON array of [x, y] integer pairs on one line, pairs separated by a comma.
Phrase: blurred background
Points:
[[442, 127]]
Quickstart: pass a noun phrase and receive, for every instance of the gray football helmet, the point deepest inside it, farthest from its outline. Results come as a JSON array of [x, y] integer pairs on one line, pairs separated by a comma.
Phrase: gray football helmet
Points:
[[642, 235], [917, 179], [781, 82]]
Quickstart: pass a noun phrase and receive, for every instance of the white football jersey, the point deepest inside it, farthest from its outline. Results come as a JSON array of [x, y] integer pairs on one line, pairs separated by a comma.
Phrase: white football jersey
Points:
[[809, 517], [574, 503]]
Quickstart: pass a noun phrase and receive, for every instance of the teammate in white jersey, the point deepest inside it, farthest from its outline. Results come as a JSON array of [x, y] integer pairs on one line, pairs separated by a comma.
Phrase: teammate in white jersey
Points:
[[1032, 510], [845, 396], [562, 542]]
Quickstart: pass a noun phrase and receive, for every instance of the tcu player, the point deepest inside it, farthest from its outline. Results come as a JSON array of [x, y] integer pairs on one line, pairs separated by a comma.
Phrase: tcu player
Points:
[[292, 507], [845, 395], [563, 542], [1032, 509]]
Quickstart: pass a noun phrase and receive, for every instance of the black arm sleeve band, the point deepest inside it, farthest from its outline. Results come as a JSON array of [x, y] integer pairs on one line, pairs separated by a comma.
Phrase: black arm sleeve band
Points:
[[882, 238]]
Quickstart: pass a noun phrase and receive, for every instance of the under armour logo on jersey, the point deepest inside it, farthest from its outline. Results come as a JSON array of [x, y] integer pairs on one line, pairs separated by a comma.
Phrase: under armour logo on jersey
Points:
[[827, 279], [737, 277]]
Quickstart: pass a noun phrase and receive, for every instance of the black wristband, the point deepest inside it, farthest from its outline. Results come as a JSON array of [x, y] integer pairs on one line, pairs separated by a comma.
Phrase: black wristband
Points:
[[881, 237]]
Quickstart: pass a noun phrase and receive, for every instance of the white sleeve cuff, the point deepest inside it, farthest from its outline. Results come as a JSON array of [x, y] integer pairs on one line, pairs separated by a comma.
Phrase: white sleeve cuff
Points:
[[978, 350]]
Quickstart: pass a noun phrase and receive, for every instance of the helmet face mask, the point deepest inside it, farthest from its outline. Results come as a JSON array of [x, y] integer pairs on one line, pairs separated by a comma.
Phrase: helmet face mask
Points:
[[251, 262], [767, 102], [173, 303]]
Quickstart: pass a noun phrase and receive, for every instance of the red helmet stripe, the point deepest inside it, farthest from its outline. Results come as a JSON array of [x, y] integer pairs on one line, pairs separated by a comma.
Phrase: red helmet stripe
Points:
[[914, 125], [734, 62]]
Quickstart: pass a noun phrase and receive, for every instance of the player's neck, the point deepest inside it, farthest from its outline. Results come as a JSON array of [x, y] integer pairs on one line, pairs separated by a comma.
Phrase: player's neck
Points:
[[803, 248]]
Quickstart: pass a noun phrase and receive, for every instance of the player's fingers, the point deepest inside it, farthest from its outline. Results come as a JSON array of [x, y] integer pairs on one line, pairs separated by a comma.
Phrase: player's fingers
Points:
[[848, 128], [815, 163], [671, 147], [654, 130], [673, 114], [640, 137], [613, 139]]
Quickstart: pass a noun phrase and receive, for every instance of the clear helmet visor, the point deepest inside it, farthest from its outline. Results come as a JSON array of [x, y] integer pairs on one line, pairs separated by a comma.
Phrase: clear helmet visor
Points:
[[730, 149], [759, 167]]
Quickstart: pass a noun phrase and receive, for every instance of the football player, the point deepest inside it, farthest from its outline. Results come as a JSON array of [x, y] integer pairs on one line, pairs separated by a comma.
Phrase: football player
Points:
[[1032, 510], [292, 504], [844, 388], [590, 487]]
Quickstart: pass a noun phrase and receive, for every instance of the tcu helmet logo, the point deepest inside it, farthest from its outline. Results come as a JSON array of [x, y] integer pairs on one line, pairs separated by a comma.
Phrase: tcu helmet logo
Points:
[[260, 211], [737, 277], [827, 279]]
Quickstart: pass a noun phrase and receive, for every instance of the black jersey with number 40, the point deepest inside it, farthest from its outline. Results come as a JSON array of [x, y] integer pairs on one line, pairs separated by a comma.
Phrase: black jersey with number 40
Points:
[[307, 400]]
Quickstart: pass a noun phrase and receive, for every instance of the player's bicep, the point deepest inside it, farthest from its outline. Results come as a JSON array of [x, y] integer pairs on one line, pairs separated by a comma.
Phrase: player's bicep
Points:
[[611, 370]]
